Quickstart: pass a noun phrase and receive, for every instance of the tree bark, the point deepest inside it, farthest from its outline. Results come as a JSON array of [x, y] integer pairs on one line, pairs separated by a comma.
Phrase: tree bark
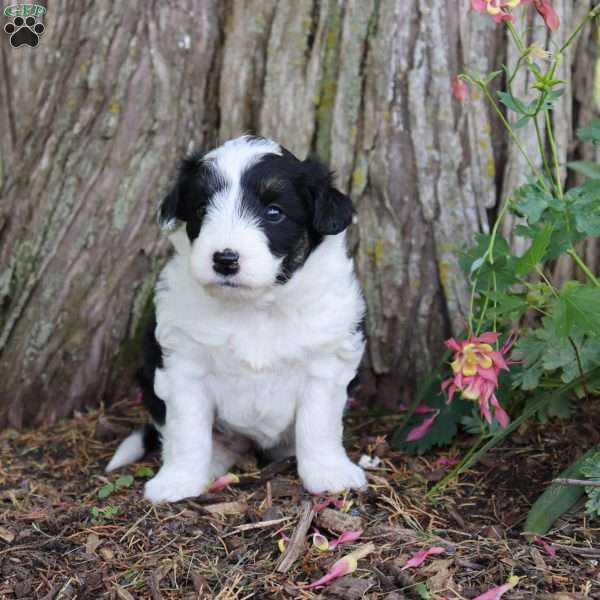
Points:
[[92, 120]]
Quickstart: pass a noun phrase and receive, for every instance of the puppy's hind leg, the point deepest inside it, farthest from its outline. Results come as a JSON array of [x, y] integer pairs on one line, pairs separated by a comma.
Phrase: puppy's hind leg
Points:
[[228, 448]]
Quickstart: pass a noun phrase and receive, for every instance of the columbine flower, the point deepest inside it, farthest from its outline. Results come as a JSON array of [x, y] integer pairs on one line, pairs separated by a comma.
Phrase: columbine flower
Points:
[[459, 89], [547, 13], [496, 8], [476, 366]]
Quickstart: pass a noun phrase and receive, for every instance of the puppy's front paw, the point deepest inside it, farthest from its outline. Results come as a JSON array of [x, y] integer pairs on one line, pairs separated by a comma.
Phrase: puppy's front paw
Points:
[[321, 477], [171, 485]]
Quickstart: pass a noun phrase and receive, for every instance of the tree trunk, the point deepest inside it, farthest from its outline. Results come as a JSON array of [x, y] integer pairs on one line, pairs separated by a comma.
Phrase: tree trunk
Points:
[[92, 120]]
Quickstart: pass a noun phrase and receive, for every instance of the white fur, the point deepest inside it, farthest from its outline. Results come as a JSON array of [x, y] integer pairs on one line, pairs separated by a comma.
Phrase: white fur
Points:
[[268, 361]]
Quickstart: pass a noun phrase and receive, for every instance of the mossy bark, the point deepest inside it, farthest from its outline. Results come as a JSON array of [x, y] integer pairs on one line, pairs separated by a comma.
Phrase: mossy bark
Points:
[[92, 120]]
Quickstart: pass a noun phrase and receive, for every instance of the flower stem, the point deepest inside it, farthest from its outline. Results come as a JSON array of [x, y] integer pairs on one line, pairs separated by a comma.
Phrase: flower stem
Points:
[[593, 13], [512, 134], [458, 469], [573, 254], [538, 134], [558, 177]]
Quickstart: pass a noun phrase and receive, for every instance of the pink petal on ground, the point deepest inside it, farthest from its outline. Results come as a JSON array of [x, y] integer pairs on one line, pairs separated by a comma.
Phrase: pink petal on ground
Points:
[[320, 541], [497, 592], [345, 538], [548, 547], [226, 480], [344, 566], [416, 433], [420, 557]]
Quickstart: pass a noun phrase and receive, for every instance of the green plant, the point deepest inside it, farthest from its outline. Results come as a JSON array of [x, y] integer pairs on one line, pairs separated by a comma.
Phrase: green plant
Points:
[[556, 355]]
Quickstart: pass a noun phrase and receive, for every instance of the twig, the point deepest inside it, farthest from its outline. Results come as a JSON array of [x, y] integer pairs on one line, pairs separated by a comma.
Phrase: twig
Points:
[[296, 546], [583, 482], [261, 524]]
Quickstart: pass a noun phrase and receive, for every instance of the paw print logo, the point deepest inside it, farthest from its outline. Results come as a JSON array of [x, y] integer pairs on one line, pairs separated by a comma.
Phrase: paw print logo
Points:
[[24, 31]]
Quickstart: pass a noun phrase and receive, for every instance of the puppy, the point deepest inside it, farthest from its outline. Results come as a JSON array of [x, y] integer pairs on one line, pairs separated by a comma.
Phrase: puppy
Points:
[[257, 331]]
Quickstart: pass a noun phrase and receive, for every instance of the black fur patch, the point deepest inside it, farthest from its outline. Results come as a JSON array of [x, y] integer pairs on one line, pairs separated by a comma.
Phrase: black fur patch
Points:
[[304, 192], [152, 360], [196, 183]]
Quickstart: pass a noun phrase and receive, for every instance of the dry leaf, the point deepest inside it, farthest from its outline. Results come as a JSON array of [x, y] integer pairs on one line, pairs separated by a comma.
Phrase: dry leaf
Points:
[[7, 535], [91, 543]]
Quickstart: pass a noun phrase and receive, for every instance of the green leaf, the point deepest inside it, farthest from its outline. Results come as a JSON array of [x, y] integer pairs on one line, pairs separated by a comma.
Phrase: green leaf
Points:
[[556, 499], [106, 490], [585, 167], [535, 252], [492, 76], [512, 103], [520, 123], [144, 472], [590, 134], [506, 304], [577, 305], [442, 431], [530, 202], [421, 589], [124, 481], [585, 201]]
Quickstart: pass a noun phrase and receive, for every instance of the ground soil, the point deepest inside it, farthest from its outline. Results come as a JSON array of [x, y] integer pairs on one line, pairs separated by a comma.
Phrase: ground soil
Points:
[[54, 544]]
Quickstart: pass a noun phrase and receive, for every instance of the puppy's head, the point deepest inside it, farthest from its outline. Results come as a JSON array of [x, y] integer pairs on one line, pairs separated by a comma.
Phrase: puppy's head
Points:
[[253, 213]]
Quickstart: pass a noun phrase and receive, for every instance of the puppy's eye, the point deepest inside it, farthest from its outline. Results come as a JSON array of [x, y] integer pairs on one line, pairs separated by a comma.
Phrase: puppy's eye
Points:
[[200, 212], [274, 214]]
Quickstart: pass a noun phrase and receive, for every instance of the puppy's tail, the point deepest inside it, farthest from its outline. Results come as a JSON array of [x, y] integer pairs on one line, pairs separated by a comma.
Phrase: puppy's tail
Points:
[[135, 446]]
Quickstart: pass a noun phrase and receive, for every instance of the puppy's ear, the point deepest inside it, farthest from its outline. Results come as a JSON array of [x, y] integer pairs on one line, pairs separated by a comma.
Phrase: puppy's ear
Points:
[[177, 204], [331, 210]]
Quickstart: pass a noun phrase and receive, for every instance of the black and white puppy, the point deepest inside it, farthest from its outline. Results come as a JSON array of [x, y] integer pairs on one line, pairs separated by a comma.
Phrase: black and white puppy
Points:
[[257, 322]]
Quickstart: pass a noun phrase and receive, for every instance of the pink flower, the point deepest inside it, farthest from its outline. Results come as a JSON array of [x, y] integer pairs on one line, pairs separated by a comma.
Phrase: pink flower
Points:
[[476, 366], [459, 89], [547, 13], [496, 8]]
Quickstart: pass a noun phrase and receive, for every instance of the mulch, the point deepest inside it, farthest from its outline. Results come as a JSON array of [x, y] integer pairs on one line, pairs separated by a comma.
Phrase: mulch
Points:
[[59, 540]]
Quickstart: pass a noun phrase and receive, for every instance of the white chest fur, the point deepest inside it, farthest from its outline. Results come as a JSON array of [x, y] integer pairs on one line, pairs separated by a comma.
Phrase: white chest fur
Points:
[[255, 357]]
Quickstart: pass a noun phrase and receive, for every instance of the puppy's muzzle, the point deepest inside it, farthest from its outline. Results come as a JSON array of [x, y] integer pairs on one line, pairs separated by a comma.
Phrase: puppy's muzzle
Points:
[[226, 262]]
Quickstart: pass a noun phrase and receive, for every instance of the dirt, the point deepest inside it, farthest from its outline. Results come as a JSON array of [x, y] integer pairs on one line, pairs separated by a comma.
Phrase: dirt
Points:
[[59, 540]]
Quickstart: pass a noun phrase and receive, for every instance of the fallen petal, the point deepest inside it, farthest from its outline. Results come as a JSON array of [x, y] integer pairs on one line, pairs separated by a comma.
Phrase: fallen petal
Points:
[[497, 592], [320, 541], [420, 557], [346, 537], [548, 547], [416, 433], [342, 567], [222, 482]]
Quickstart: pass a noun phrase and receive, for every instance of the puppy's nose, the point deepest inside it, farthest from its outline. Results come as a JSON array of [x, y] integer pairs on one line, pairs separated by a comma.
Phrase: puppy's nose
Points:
[[226, 262]]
